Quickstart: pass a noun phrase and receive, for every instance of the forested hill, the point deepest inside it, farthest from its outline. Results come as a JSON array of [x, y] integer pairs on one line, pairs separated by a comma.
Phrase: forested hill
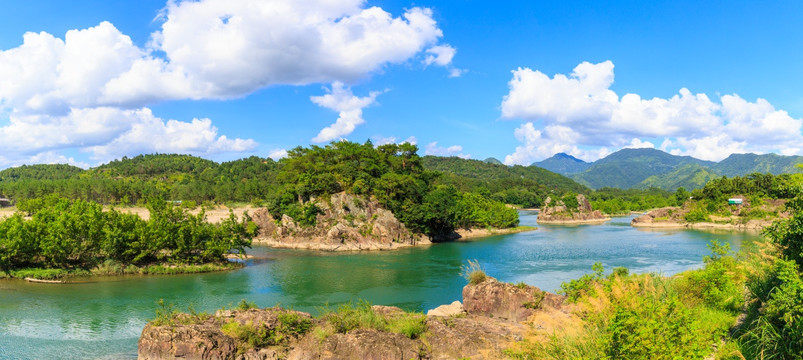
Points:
[[40, 172], [644, 168], [526, 186]]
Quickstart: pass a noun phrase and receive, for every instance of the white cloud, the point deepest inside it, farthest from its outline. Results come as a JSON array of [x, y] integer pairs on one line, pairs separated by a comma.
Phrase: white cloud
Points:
[[107, 133], [637, 143], [582, 112], [540, 144], [440, 55], [341, 99], [215, 49], [207, 49], [381, 140], [454, 150], [277, 154]]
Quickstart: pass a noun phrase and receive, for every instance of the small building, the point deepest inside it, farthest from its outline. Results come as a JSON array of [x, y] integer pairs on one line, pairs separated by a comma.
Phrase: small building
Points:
[[735, 201], [5, 202]]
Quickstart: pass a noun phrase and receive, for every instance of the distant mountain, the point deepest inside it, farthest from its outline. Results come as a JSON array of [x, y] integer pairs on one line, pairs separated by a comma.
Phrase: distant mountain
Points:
[[493, 160], [740, 164], [642, 168], [563, 164], [690, 176], [627, 168]]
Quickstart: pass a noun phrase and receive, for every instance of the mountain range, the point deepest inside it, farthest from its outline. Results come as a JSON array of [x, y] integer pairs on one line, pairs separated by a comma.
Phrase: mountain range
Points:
[[644, 168]]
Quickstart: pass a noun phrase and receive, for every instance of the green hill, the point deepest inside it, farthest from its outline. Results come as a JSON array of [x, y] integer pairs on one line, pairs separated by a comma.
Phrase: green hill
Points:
[[563, 164], [40, 172], [627, 168], [493, 160], [644, 168], [690, 176], [742, 164], [526, 186]]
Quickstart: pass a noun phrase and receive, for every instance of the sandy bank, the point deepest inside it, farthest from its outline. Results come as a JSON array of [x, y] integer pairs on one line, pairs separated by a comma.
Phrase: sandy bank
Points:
[[574, 222], [752, 225], [467, 234]]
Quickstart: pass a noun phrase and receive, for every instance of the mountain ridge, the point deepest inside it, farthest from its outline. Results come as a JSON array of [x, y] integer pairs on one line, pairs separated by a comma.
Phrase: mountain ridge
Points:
[[646, 167]]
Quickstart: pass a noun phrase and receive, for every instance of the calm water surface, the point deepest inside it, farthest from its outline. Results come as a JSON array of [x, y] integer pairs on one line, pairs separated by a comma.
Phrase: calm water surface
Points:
[[103, 319]]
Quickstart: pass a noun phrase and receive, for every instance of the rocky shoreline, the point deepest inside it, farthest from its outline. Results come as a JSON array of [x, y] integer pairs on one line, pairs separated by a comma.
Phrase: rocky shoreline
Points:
[[491, 319], [673, 218], [350, 223]]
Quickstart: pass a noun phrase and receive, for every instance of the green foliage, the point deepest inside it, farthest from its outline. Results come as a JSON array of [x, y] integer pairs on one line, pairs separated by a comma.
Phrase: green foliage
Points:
[[577, 288], [774, 325], [719, 285], [165, 314], [651, 329], [473, 272], [618, 201], [696, 216], [77, 234], [570, 201], [246, 305]]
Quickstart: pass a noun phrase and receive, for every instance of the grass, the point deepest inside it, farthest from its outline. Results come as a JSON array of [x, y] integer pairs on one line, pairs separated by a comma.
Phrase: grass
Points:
[[473, 272], [348, 317]]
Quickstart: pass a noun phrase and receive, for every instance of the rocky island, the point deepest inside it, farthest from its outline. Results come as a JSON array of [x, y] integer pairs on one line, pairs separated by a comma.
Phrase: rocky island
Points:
[[570, 209], [745, 215]]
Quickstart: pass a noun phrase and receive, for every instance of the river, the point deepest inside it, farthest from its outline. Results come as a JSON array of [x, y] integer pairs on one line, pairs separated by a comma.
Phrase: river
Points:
[[102, 319]]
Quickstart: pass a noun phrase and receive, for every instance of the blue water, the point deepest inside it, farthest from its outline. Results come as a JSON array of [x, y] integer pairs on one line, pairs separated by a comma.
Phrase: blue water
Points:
[[104, 318]]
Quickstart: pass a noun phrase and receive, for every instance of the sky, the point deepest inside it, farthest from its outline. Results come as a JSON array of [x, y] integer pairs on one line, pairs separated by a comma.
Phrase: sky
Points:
[[86, 82]]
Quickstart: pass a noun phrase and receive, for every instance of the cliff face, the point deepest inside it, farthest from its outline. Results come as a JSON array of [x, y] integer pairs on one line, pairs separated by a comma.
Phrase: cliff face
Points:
[[496, 316], [555, 211], [347, 222]]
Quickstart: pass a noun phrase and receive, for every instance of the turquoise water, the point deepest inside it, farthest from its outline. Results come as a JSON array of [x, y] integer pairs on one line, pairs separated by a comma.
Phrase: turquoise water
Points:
[[103, 318]]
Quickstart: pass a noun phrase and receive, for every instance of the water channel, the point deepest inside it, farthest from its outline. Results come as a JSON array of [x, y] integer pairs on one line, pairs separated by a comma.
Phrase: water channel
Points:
[[103, 318]]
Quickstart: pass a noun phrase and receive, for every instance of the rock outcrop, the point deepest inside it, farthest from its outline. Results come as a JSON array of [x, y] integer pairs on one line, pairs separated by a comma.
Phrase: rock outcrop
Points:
[[556, 212], [507, 301], [498, 315], [346, 222]]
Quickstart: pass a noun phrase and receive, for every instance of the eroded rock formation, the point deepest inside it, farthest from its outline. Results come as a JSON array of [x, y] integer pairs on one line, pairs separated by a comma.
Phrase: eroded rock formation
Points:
[[347, 222]]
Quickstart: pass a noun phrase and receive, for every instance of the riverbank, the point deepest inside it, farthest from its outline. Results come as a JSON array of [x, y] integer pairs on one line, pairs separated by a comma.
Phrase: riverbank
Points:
[[752, 225], [477, 233], [675, 218], [112, 269]]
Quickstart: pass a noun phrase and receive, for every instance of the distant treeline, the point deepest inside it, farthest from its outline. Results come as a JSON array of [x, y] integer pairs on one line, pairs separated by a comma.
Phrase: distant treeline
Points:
[[392, 173]]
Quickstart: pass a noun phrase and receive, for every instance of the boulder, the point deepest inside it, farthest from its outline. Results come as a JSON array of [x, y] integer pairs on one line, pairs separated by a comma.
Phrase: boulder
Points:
[[455, 308], [507, 301]]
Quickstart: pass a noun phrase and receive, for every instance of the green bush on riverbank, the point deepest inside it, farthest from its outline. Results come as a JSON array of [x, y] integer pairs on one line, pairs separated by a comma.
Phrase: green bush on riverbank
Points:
[[76, 237]]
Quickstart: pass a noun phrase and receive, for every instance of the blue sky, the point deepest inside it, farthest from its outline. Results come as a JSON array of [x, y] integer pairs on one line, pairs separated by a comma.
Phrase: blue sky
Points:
[[518, 81]]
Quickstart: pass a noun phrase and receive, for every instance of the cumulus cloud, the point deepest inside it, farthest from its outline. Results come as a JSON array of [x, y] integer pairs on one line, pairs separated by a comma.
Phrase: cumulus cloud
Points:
[[215, 49], [540, 144], [208, 49], [381, 140], [341, 99], [277, 154], [580, 113], [106, 133], [454, 150], [442, 55]]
